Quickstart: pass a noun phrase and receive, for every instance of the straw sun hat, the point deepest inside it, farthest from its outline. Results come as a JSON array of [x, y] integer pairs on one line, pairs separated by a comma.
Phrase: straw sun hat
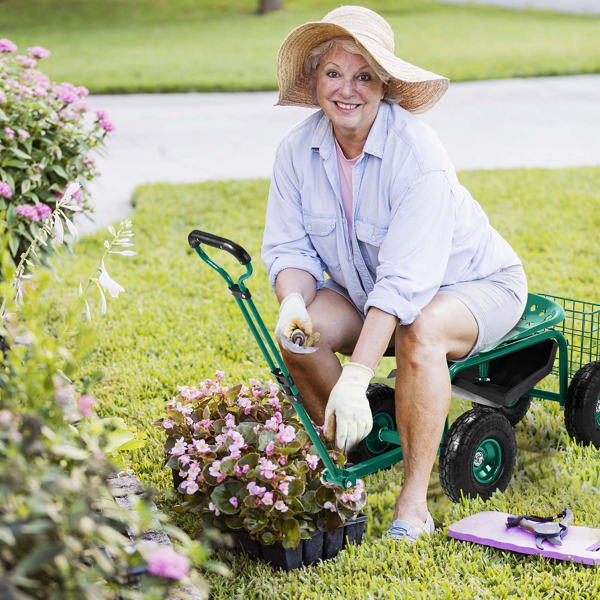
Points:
[[417, 88]]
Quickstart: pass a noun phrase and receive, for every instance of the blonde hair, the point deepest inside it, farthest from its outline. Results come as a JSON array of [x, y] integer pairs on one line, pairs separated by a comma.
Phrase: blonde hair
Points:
[[348, 43]]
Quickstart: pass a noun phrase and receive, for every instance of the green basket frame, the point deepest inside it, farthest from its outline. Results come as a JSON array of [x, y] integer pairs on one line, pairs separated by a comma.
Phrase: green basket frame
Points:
[[581, 328], [348, 477]]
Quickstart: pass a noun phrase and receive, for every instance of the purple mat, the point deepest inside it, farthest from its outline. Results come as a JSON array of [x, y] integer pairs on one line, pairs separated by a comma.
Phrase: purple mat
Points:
[[581, 544]]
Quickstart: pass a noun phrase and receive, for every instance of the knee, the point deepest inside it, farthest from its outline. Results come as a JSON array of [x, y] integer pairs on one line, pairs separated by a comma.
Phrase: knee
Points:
[[420, 342]]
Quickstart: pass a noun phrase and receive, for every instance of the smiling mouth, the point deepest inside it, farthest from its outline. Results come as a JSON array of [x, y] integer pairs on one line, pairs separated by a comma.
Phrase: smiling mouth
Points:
[[346, 106]]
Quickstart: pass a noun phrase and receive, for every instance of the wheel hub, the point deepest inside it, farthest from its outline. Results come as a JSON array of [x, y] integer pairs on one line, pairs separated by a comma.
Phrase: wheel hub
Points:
[[374, 444], [487, 461]]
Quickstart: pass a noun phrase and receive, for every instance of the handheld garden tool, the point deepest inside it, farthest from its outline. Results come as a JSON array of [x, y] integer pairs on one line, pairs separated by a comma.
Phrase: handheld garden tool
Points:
[[477, 453], [508, 532], [298, 337], [543, 527]]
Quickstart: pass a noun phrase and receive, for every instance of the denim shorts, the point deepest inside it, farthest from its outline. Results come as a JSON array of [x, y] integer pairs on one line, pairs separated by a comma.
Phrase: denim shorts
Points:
[[496, 301]]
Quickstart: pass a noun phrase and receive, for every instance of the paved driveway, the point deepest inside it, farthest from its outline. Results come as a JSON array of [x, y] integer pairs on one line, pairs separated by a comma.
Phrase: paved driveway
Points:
[[540, 122]]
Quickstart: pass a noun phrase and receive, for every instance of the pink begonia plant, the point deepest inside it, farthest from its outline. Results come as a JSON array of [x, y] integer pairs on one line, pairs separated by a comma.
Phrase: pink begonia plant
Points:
[[244, 460]]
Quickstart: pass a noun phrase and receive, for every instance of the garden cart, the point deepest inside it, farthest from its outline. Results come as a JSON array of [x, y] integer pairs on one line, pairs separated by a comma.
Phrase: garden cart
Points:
[[477, 453]]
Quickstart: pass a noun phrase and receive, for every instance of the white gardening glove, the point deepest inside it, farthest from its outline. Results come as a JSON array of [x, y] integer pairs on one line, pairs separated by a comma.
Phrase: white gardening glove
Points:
[[294, 318], [348, 418]]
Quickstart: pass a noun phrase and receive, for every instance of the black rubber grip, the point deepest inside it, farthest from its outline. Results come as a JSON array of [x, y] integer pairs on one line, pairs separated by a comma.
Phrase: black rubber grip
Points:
[[198, 237]]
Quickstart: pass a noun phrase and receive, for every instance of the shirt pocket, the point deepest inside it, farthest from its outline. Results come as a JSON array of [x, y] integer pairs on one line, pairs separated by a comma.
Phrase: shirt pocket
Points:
[[371, 236], [322, 232]]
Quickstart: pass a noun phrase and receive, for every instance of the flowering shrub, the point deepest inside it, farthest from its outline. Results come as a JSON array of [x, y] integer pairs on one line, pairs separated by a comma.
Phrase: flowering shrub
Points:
[[246, 462], [47, 135]]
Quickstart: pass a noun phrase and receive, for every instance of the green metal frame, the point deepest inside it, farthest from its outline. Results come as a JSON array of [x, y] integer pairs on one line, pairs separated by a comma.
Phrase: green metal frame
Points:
[[347, 477]]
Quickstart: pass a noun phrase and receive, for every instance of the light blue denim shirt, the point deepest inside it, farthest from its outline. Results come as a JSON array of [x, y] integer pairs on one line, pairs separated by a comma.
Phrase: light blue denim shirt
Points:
[[415, 227]]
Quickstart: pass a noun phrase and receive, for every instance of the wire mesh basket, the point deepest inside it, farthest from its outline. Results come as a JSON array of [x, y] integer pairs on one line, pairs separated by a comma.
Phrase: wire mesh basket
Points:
[[581, 329]]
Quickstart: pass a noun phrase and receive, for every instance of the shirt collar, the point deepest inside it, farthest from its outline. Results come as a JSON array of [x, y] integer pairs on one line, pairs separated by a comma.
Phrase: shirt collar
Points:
[[322, 139]]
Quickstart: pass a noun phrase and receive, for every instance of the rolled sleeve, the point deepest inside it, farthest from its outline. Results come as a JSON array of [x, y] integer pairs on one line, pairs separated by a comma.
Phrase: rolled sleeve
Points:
[[415, 252], [285, 242]]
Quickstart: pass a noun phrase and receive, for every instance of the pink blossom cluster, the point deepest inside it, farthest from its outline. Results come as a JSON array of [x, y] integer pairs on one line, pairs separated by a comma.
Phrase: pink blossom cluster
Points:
[[26, 61], [5, 190], [165, 562], [7, 46], [355, 494], [10, 133], [104, 121], [37, 212], [38, 52]]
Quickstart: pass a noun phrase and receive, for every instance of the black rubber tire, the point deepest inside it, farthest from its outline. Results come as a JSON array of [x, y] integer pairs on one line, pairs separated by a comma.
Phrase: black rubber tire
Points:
[[381, 399], [581, 403], [514, 413], [458, 453]]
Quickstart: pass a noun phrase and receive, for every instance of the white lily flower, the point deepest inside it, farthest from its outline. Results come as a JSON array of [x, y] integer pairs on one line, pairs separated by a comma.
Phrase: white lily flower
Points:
[[29, 262], [124, 253], [109, 284], [72, 229], [73, 208], [87, 310], [111, 229], [26, 276], [72, 188], [103, 297], [106, 244], [59, 230], [80, 290], [128, 245]]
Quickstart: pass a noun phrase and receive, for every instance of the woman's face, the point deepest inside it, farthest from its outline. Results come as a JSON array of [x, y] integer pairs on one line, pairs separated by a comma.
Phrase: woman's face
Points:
[[349, 91]]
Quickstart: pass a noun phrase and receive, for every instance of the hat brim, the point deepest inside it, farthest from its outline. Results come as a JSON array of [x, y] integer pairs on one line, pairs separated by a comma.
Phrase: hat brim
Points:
[[419, 90]]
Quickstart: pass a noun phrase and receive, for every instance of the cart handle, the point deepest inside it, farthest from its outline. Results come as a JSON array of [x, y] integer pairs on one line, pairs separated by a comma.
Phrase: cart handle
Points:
[[198, 237]]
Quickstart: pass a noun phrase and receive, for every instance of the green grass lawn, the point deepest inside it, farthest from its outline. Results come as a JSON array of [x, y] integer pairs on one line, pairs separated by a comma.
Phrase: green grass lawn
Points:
[[114, 46], [177, 323]]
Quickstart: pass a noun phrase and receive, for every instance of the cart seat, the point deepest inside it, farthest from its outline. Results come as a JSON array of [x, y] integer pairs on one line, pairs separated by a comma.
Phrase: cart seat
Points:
[[540, 313]]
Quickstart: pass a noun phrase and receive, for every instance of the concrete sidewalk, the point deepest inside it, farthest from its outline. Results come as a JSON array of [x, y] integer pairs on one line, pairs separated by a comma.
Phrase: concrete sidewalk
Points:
[[575, 7], [541, 122]]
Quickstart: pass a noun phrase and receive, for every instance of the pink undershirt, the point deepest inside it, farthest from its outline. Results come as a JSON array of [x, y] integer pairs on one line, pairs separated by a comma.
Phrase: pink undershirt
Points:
[[345, 168]]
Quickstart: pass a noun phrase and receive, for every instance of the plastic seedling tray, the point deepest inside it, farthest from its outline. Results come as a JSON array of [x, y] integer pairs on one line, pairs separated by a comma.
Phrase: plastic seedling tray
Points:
[[322, 545]]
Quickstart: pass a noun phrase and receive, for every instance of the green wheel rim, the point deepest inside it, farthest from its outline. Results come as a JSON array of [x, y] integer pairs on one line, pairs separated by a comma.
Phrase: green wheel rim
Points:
[[487, 461], [381, 421], [598, 411]]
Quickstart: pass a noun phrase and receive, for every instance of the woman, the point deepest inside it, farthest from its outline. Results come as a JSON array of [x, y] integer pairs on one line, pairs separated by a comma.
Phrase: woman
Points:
[[364, 190]]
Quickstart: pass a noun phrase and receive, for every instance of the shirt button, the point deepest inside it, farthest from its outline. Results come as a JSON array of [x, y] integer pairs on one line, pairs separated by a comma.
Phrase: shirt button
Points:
[[344, 220], [349, 257], [309, 227], [373, 237], [359, 295]]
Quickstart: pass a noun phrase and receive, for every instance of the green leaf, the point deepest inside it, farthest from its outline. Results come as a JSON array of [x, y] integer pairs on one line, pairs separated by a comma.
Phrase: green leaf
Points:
[[3, 116], [19, 164], [266, 436], [228, 466], [296, 487], [224, 492], [255, 520], [69, 451], [28, 144], [233, 392], [291, 533], [287, 449], [38, 558], [234, 522], [11, 216], [59, 171], [247, 430], [325, 494], [13, 243], [267, 538], [250, 459], [25, 186], [20, 154]]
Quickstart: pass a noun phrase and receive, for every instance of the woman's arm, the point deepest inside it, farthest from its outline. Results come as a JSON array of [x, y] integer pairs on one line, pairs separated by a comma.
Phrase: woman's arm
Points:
[[295, 280], [374, 338]]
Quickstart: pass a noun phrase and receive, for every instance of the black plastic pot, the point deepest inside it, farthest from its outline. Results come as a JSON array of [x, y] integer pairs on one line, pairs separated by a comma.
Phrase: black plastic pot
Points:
[[322, 545]]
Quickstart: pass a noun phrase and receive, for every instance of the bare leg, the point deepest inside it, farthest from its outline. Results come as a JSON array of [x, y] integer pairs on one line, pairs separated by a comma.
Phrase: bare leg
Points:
[[445, 330], [315, 374]]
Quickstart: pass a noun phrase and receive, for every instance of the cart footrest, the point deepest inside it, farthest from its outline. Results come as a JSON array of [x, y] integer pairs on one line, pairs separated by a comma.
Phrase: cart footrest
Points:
[[510, 376]]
